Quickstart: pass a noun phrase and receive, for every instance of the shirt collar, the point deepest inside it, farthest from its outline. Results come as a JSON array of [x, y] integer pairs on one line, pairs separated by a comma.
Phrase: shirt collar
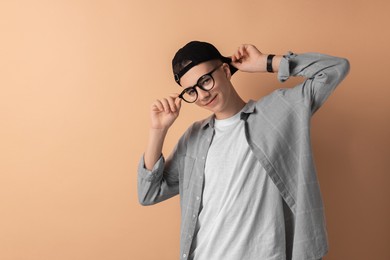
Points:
[[249, 108]]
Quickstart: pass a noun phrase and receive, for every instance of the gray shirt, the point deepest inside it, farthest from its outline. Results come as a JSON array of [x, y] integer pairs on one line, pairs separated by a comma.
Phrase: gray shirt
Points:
[[277, 129]]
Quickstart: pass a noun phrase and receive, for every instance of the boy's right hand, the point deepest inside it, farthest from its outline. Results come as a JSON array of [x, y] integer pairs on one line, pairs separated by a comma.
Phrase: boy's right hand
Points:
[[164, 112]]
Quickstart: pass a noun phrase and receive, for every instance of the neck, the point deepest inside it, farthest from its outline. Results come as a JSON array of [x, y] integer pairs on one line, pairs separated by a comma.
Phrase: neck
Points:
[[233, 107]]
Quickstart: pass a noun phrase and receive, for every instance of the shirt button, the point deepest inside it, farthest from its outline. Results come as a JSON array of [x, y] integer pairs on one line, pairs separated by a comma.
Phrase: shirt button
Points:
[[194, 216], [197, 198], [184, 255], [203, 158]]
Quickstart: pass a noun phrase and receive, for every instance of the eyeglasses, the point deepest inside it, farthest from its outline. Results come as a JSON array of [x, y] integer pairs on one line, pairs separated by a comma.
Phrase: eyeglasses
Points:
[[206, 83]]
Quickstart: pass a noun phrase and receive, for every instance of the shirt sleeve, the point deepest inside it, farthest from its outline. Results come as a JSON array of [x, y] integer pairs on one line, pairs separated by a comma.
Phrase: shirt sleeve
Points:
[[163, 181], [157, 185], [322, 72]]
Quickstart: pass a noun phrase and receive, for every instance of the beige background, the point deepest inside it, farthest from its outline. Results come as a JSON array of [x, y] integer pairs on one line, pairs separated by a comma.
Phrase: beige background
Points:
[[77, 79]]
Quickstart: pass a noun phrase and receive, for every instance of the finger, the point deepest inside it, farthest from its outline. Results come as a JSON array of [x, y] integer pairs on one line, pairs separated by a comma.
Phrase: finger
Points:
[[240, 52], [236, 55], [165, 105], [178, 103], [157, 106], [233, 58], [171, 103], [176, 100], [237, 64], [245, 50]]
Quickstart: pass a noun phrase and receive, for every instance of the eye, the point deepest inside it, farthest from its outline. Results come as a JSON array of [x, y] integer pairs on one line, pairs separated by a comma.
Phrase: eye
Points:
[[191, 92], [205, 80]]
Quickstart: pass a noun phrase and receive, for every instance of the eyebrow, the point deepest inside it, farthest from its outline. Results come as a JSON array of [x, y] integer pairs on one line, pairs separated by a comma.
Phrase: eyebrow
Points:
[[212, 70]]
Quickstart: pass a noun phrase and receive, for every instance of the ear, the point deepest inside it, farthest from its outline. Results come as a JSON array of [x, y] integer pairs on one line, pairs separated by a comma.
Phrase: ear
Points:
[[226, 69]]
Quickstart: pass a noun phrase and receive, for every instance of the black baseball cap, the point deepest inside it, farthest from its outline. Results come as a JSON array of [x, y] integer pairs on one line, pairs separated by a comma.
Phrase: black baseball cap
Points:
[[194, 53]]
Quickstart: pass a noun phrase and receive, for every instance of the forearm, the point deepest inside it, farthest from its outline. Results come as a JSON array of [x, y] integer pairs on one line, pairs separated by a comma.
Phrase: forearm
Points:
[[310, 65], [154, 147], [260, 65]]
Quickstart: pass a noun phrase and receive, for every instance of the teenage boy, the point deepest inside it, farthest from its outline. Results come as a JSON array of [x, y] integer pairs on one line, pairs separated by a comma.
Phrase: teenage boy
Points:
[[246, 176]]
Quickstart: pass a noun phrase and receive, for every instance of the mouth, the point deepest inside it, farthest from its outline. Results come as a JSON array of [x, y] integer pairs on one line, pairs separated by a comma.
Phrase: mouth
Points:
[[211, 101]]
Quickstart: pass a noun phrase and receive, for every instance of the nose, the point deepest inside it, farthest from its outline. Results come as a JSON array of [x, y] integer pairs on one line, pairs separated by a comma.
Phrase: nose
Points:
[[202, 94]]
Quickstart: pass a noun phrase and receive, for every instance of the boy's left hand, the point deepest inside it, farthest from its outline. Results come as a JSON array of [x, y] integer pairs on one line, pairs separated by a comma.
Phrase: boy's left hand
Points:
[[248, 58]]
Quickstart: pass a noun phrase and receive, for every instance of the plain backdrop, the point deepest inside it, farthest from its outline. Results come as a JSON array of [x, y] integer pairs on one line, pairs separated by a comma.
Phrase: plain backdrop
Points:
[[77, 79]]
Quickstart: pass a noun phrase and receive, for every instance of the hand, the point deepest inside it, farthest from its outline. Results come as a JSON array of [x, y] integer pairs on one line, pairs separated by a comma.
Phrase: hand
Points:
[[164, 112], [249, 59]]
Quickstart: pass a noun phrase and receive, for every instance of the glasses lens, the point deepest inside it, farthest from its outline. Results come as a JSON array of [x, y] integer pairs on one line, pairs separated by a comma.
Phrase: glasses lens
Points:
[[190, 95], [206, 82]]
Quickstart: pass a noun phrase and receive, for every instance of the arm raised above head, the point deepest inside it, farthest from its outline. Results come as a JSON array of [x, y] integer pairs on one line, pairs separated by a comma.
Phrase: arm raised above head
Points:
[[323, 74]]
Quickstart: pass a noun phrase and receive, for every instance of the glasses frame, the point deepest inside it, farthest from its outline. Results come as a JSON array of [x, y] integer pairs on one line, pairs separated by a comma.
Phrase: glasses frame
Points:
[[197, 85]]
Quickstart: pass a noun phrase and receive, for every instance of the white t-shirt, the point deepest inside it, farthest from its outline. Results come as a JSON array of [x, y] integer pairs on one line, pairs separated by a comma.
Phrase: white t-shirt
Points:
[[242, 210]]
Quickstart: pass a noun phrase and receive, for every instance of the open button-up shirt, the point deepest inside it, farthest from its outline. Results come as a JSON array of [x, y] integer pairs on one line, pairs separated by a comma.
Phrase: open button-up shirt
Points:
[[277, 129]]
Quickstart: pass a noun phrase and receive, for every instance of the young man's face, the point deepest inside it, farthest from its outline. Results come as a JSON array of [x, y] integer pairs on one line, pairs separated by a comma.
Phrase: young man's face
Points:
[[217, 99]]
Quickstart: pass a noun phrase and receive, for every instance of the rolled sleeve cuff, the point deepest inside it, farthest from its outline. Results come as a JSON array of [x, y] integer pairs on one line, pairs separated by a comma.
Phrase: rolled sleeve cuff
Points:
[[155, 173], [285, 66]]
